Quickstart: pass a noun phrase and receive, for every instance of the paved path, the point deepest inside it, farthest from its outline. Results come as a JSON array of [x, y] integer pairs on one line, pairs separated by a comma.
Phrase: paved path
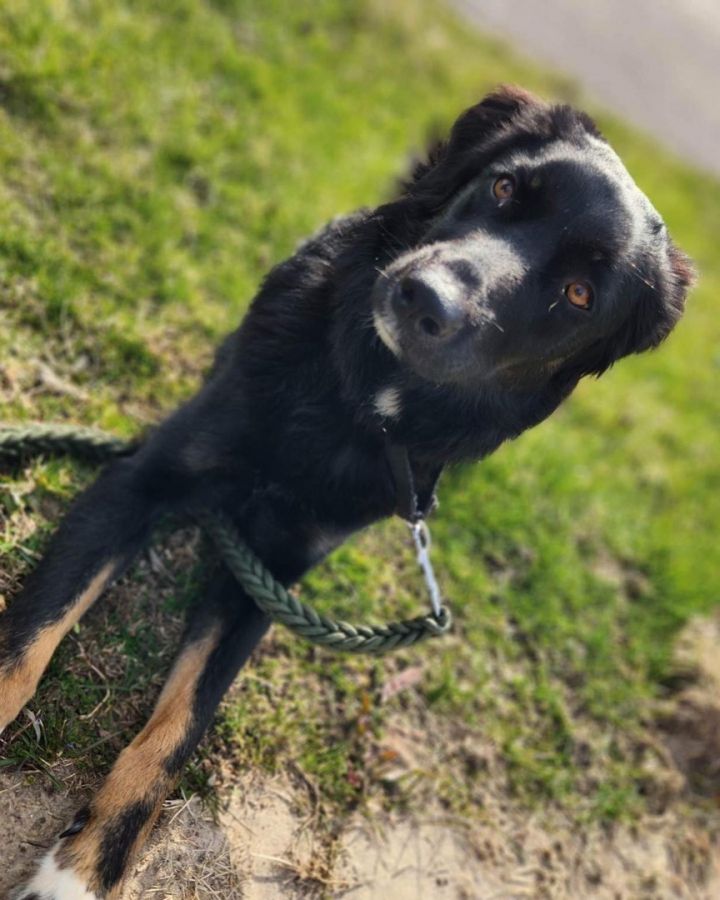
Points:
[[655, 62]]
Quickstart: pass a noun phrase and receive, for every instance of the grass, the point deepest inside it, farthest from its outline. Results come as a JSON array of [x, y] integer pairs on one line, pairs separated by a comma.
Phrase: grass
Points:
[[155, 160]]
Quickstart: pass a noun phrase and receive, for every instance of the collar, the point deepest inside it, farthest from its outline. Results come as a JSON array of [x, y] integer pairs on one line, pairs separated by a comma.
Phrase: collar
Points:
[[409, 504]]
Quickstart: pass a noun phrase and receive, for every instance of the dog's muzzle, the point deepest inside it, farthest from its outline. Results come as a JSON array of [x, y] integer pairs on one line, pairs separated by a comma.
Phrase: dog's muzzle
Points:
[[425, 304], [430, 304], [437, 308]]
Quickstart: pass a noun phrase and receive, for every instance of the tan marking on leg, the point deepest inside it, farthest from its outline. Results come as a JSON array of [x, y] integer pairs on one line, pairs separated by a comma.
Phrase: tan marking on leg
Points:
[[139, 774], [20, 678]]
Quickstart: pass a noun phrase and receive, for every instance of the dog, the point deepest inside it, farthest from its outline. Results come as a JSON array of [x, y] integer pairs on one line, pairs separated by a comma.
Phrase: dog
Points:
[[517, 258]]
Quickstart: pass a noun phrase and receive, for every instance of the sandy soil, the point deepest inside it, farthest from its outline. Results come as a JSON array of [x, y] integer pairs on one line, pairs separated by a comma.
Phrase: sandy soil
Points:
[[268, 840], [262, 848]]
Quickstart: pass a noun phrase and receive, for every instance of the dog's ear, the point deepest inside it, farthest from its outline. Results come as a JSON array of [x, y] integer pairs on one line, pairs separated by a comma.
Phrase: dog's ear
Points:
[[472, 127], [491, 114], [660, 305]]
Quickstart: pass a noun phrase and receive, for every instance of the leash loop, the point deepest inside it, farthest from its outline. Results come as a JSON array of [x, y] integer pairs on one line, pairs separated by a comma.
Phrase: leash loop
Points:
[[271, 596]]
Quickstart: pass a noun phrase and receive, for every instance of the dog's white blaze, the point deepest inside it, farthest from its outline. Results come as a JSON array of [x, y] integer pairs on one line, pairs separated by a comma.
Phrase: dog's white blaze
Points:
[[613, 166], [443, 282], [52, 883], [388, 402], [385, 335]]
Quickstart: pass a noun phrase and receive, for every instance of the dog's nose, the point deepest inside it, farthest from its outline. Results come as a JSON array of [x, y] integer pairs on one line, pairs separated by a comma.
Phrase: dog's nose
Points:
[[421, 305]]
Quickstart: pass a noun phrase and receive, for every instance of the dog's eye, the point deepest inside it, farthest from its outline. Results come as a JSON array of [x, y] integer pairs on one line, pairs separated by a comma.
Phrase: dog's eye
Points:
[[503, 188], [580, 294]]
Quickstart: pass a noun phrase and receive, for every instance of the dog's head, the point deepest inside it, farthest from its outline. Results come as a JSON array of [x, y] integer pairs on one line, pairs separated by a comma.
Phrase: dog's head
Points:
[[534, 254]]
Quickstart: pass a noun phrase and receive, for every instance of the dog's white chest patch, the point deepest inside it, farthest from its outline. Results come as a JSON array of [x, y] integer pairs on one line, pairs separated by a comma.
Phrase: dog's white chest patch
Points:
[[388, 402], [53, 883]]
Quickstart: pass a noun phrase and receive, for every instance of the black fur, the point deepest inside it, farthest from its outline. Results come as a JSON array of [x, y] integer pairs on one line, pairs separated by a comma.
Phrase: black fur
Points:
[[118, 840], [480, 342], [82, 817]]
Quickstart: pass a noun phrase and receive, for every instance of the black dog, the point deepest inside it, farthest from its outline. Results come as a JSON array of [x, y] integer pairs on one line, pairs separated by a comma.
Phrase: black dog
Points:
[[519, 258]]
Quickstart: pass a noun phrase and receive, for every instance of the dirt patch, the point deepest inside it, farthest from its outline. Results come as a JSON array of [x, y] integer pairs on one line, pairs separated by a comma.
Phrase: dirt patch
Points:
[[413, 859], [274, 837], [274, 840], [189, 858], [690, 720], [692, 734], [32, 816], [264, 844]]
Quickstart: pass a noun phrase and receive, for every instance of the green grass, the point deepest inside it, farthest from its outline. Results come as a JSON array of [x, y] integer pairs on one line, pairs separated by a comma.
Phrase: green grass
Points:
[[155, 160]]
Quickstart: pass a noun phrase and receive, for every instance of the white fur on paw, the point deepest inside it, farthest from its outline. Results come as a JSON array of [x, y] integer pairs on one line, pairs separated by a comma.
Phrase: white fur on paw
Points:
[[52, 883]]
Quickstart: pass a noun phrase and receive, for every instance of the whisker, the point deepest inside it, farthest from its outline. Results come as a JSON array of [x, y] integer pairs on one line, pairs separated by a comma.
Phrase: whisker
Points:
[[638, 274], [394, 241]]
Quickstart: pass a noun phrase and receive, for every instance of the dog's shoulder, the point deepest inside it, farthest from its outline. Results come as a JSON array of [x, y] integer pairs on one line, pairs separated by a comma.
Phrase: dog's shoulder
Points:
[[332, 235], [288, 319]]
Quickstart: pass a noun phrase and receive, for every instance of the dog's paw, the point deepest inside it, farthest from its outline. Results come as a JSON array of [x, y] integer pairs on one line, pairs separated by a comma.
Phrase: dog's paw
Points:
[[50, 882]]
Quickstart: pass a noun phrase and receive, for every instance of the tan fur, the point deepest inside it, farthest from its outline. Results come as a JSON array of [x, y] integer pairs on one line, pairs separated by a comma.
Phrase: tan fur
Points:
[[19, 680], [139, 773]]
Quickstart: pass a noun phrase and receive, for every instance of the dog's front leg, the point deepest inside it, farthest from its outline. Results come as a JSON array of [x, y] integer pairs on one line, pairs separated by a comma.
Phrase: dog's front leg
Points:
[[92, 856], [179, 468], [105, 527]]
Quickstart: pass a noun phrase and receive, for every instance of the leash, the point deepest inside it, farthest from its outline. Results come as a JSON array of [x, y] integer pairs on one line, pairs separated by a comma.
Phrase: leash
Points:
[[18, 442], [410, 509]]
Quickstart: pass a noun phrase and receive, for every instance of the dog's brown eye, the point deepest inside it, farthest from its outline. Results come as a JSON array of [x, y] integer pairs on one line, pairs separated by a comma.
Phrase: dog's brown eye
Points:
[[579, 293], [503, 187]]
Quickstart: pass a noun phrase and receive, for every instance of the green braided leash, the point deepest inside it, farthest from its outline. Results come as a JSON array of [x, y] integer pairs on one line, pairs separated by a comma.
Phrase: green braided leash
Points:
[[281, 606], [17, 442]]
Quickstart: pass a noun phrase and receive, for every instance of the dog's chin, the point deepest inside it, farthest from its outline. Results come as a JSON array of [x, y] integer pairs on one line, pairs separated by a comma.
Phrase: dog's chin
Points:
[[441, 366]]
